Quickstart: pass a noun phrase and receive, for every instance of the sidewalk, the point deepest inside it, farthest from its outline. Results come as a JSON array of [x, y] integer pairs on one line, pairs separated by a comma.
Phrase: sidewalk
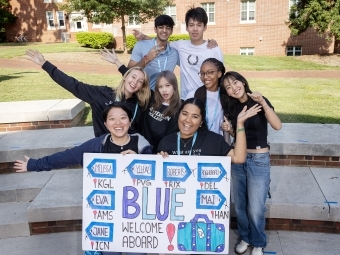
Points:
[[111, 69]]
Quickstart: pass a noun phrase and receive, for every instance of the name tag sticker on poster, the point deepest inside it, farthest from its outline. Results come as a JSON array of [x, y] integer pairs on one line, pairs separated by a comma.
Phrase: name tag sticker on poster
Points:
[[151, 204]]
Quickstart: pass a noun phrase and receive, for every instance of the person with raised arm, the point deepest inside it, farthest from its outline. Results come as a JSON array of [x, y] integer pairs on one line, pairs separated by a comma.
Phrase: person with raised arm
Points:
[[133, 90], [250, 179]]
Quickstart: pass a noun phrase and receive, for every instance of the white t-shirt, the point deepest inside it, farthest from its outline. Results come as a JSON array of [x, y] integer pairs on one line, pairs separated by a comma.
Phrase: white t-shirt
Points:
[[214, 120], [191, 58]]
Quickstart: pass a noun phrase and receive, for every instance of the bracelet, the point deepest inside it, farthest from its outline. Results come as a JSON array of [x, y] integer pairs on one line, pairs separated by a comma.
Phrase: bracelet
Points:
[[240, 129], [146, 57]]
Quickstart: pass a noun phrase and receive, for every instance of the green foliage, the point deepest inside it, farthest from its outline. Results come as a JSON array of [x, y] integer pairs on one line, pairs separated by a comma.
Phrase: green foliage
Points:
[[131, 40], [95, 40], [6, 16], [107, 11], [173, 38], [322, 15]]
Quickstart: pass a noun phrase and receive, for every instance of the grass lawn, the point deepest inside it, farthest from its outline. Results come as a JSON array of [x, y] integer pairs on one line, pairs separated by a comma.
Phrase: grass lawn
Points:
[[295, 100], [267, 63], [10, 50]]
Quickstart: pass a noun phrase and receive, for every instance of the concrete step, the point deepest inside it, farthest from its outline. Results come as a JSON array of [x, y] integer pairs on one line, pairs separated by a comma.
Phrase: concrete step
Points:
[[13, 220], [278, 242], [23, 187]]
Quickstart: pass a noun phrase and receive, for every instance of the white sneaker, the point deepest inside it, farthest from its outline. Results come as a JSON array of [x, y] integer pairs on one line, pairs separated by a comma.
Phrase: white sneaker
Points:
[[242, 247], [257, 251]]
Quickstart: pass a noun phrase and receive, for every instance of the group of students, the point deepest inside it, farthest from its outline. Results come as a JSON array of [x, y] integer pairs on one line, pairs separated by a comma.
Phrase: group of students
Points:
[[132, 118]]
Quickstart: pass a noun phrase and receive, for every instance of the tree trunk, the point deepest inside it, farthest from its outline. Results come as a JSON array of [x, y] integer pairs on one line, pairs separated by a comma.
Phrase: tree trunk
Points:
[[124, 33]]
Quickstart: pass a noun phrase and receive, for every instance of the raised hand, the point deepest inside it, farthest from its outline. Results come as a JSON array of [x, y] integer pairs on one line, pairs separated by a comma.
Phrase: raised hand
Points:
[[226, 125], [35, 56], [257, 97], [21, 166], [105, 54], [246, 114]]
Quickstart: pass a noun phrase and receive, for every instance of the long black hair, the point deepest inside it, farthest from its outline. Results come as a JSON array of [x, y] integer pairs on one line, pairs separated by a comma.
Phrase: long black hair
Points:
[[229, 104], [201, 92], [201, 106]]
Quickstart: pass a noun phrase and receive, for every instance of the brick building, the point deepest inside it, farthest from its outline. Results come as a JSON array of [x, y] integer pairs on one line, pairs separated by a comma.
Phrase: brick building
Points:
[[249, 27]]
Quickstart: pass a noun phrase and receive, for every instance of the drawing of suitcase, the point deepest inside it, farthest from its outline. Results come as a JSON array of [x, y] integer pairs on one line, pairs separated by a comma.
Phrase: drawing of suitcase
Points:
[[201, 235]]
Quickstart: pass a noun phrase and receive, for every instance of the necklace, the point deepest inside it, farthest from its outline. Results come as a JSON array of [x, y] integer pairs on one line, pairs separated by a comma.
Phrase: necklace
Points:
[[178, 143], [185, 144], [121, 146]]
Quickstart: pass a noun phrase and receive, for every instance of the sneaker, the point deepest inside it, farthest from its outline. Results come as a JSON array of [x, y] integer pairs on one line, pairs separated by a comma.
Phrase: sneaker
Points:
[[242, 247], [257, 251]]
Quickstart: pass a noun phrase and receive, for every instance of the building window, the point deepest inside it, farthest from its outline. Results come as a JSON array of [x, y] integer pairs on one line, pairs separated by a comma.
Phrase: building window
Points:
[[294, 50], [247, 51], [171, 11], [61, 19], [248, 11], [210, 9], [292, 3], [133, 21], [50, 20]]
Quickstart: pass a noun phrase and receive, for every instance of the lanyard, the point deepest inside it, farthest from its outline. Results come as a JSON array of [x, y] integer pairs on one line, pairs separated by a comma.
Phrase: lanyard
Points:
[[159, 63], [136, 107], [215, 111], [178, 143], [134, 114]]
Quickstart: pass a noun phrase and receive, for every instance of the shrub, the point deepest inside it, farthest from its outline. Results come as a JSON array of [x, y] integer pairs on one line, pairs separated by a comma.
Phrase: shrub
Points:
[[131, 40], [96, 40]]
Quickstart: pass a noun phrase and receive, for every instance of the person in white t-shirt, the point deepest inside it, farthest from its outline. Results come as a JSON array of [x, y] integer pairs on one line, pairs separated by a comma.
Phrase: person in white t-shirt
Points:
[[193, 52]]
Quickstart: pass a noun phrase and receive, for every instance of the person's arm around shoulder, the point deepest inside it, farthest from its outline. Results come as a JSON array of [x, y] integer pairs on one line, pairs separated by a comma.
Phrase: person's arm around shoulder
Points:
[[271, 116], [239, 153]]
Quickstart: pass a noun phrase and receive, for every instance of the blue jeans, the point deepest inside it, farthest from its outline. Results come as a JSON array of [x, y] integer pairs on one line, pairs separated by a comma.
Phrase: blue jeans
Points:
[[251, 184]]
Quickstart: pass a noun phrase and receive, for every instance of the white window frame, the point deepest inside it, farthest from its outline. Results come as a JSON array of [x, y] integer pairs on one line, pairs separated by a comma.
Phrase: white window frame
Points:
[[134, 21], [48, 19], [248, 11], [63, 19], [247, 51], [206, 7], [96, 25], [294, 50], [170, 10], [291, 4]]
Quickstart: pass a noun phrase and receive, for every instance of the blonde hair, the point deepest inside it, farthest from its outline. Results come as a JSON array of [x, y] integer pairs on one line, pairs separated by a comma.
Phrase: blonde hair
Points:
[[143, 94]]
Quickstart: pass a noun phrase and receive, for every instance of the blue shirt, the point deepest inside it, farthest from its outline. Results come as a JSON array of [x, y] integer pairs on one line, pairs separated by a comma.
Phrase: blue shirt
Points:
[[166, 60]]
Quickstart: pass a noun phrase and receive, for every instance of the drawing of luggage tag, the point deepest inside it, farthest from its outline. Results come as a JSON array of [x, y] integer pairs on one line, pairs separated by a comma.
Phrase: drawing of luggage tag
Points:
[[201, 235]]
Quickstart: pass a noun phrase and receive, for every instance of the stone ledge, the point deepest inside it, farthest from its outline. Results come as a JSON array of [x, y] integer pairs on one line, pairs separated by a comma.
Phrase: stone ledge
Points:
[[39, 110]]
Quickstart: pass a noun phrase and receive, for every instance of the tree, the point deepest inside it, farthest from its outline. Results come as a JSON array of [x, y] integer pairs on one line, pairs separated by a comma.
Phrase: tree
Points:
[[107, 11], [6, 15], [322, 15]]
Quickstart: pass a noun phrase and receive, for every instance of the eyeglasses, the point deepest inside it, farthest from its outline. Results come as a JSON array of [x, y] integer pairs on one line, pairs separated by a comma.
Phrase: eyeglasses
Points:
[[207, 73]]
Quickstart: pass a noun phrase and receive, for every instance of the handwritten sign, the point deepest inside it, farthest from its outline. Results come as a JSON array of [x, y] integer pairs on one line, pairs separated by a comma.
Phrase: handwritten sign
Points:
[[148, 204]]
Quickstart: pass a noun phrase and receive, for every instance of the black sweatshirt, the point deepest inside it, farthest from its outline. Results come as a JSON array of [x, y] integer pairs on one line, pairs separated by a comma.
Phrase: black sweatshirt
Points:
[[98, 97]]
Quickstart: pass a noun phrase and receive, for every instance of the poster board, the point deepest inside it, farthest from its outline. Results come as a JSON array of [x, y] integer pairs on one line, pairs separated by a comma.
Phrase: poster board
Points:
[[151, 204]]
